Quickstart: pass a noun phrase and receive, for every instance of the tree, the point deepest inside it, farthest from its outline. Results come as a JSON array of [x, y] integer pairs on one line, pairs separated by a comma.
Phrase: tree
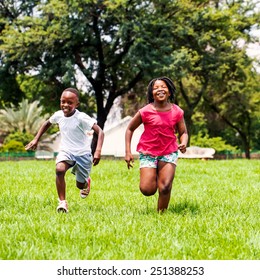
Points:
[[114, 45], [110, 43], [209, 62], [235, 102], [10, 11]]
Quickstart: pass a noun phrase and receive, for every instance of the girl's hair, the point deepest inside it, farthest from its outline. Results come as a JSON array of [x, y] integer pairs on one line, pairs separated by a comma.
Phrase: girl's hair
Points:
[[73, 90], [169, 84]]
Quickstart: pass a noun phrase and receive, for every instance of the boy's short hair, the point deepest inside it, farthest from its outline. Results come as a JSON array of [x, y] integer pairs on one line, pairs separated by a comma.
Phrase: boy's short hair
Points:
[[168, 82], [73, 90]]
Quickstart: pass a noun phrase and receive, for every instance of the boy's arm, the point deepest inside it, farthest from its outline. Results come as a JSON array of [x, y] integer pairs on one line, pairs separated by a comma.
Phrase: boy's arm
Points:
[[33, 144], [97, 154]]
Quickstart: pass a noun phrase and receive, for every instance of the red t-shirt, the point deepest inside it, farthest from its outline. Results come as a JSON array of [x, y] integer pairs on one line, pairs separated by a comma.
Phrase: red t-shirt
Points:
[[159, 137]]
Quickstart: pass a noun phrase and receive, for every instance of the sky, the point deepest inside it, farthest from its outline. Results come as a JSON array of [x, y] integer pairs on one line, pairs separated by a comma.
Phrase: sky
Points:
[[253, 50]]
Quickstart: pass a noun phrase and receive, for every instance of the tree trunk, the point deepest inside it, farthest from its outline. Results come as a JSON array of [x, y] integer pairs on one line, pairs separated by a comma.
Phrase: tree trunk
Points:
[[246, 145], [102, 117], [188, 121]]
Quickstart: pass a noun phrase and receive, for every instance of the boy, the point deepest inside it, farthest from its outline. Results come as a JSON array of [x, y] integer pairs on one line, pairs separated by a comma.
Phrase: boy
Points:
[[75, 150]]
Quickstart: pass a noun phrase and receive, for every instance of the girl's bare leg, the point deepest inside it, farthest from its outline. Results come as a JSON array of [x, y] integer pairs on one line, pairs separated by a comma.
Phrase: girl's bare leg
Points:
[[148, 181], [166, 172]]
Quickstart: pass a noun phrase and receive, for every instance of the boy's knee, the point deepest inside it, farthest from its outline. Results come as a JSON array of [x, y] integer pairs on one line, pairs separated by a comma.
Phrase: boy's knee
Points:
[[60, 171]]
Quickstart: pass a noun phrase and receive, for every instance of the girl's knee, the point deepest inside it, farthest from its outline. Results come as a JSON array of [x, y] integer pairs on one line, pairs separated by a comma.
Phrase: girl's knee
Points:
[[148, 191], [166, 189]]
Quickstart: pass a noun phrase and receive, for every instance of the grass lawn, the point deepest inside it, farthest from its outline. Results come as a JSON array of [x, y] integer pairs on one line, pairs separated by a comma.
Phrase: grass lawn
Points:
[[213, 214]]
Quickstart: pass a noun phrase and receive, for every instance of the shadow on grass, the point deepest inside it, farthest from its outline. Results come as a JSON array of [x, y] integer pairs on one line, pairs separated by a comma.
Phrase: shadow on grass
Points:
[[184, 208], [180, 208]]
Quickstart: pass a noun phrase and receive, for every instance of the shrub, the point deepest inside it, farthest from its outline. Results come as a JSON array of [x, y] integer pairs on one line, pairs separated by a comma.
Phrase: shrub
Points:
[[216, 143], [13, 146], [18, 136]]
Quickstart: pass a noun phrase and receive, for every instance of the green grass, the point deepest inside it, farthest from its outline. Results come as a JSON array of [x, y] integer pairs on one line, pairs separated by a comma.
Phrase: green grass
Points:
[[213, 214]]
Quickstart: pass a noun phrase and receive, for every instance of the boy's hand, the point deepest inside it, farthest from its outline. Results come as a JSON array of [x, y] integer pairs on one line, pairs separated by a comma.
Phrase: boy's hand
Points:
[[32, 145], [96, 157]]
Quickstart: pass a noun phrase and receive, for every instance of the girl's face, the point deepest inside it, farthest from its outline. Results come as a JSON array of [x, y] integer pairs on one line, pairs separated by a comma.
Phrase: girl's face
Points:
[[160, 91], [68, 103]]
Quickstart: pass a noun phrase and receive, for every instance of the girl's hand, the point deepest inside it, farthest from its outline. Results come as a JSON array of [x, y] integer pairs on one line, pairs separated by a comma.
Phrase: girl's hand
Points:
[[129, 159], [182, 148]]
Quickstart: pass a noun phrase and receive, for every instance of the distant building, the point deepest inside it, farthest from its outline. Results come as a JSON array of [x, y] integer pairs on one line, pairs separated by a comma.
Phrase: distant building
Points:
[[114, 142]]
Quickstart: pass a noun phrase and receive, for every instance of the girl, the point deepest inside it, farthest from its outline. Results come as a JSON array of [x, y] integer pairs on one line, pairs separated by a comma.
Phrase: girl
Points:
[[158, 145]]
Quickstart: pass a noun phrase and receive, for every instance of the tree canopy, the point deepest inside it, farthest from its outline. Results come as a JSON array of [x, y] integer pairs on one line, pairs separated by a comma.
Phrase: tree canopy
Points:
[[108, 48]]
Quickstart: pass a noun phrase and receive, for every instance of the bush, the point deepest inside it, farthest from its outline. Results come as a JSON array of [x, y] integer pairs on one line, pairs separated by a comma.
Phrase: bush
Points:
[[18, 136], [13, 146], [216, 143]]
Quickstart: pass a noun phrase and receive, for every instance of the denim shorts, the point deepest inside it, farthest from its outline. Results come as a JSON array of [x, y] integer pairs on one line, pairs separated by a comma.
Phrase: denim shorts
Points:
[[81, 165], [152, 161]]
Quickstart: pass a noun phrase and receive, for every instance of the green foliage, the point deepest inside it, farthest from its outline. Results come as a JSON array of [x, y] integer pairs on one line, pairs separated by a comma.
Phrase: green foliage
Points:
[[10, 92], [19, 136], [213, 73], [26, 118], [107, 47], [216, 143], [212, 214], [256, 134], [13, 146]]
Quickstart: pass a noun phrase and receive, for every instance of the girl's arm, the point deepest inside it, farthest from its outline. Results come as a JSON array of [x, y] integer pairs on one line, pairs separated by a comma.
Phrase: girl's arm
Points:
[[132, 126], [97, 155], [183, 135], [33, 144]]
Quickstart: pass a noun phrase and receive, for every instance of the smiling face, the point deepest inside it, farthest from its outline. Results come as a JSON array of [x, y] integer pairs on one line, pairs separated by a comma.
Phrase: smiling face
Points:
[[69, 101], [160, 91]]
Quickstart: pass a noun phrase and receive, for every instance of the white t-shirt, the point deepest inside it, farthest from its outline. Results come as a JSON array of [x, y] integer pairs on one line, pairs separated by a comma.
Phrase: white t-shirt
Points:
[[73, 131]]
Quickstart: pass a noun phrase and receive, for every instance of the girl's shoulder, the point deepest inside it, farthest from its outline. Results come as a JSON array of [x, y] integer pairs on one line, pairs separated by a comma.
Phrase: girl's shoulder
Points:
[[146, 108], [146, 111], [176, 108], [177, 111]]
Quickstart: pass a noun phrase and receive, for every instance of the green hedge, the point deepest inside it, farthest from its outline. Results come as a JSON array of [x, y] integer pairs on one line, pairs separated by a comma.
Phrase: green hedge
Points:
[[17, 154]]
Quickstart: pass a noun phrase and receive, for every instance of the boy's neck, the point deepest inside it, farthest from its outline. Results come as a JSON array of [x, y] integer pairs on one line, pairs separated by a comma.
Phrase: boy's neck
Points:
[[70, 115]]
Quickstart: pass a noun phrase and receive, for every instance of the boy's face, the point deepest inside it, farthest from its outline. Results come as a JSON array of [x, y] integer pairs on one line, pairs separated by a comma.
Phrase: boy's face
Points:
[[68, 103], [160, 91]]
